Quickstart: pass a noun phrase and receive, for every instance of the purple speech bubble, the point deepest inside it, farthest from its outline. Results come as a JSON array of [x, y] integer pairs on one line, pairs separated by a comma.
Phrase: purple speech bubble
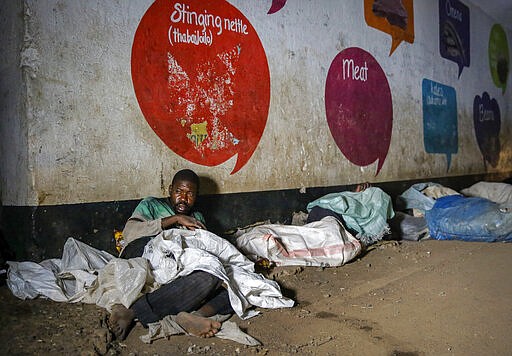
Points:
[[359, 107], [276, 6], [487, 120]]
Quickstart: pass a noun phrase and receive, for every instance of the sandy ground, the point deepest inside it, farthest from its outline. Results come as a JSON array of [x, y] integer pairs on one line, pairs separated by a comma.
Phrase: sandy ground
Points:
[[409, 298]]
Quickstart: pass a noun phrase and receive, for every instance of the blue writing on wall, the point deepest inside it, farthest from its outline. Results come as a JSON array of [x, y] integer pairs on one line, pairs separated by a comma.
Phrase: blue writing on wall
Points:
[[440, 134]]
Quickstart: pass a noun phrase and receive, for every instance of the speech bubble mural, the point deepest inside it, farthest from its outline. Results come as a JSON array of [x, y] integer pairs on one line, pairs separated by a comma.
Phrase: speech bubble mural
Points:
[[440, 133], [394, 17], [202, 81], [359, 107], [499, 60], [276, 6], [454, 32], [487, 120]]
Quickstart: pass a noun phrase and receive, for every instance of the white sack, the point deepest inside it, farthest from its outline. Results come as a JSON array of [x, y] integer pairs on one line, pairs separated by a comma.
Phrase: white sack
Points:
[[119, 282], [57, 279], [320, 243], [500, 193], [92, 276]]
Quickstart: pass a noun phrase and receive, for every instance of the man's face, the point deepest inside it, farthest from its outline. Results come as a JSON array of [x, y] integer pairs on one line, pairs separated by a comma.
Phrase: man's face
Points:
[[183, 196]]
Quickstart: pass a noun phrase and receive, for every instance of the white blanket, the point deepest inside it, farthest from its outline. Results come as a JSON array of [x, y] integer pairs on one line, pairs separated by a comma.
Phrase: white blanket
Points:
[[92, 276], [203, 250]]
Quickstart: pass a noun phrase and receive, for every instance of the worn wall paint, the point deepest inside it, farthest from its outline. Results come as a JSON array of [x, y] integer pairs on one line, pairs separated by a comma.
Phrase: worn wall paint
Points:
[[15, 182], [202, 63], [77, 134]]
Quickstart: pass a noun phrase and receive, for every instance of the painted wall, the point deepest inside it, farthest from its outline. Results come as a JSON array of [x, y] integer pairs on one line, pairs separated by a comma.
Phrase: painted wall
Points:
[[75, 130]]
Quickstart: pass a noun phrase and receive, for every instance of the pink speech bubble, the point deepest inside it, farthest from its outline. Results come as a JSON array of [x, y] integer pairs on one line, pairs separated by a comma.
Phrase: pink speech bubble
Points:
[[359, 107], [276, 6]]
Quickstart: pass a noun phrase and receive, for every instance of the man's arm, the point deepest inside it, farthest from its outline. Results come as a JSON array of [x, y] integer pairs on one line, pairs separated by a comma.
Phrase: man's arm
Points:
[[186, 221], [136, 227], [146, 219]]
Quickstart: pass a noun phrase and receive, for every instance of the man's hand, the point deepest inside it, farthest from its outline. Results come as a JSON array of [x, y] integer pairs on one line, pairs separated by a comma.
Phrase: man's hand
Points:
[[186, 221], [189, 222]]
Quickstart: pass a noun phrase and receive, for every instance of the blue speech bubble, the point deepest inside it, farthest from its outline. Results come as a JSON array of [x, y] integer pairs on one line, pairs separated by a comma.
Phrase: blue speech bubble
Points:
[[454, 32], [440, 134]]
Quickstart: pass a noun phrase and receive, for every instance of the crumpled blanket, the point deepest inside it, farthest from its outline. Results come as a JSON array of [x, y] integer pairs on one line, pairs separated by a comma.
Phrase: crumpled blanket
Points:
[[91, 276], [323, 243], [168, 327], [61, 280], [365, 212], [203, 250]]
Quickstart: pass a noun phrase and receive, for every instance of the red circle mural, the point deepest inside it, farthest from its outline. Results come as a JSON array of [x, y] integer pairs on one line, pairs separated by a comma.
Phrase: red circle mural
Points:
[[202, 81]]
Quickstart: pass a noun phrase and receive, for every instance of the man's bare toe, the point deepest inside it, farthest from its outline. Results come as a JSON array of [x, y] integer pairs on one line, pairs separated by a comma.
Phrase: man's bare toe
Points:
[[198, 325], [120, 321]]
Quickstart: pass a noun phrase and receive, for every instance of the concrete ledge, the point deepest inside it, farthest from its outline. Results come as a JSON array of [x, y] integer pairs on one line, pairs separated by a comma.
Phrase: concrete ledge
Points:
[[39, 232]]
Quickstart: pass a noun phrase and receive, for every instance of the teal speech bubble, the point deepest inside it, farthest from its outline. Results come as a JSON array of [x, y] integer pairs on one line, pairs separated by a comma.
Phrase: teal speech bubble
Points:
[[440, 134]]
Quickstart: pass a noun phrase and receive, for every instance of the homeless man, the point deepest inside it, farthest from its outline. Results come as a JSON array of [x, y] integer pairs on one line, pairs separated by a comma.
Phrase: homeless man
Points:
[[192, 298]]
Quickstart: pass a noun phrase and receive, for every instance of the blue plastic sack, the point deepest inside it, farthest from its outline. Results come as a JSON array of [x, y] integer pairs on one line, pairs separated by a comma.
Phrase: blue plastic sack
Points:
[[413, 198], [456, 217]]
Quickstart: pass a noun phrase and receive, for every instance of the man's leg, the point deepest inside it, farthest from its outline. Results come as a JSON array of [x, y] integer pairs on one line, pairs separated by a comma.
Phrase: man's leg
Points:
[[186, 294], [198, 323], [199, 291], [217, 304], [318, 213], [121, 318]]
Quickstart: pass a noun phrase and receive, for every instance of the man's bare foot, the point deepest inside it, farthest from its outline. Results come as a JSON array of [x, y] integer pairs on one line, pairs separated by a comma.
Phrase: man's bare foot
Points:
[[363, 186], [198, 325], [121, 321]]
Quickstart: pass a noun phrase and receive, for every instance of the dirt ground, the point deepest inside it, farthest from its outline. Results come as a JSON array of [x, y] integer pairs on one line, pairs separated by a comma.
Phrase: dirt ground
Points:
[[409, 298]]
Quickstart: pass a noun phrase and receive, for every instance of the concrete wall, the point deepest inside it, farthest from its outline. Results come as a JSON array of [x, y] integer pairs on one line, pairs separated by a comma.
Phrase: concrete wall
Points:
[[72, 130], [14, 168]]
